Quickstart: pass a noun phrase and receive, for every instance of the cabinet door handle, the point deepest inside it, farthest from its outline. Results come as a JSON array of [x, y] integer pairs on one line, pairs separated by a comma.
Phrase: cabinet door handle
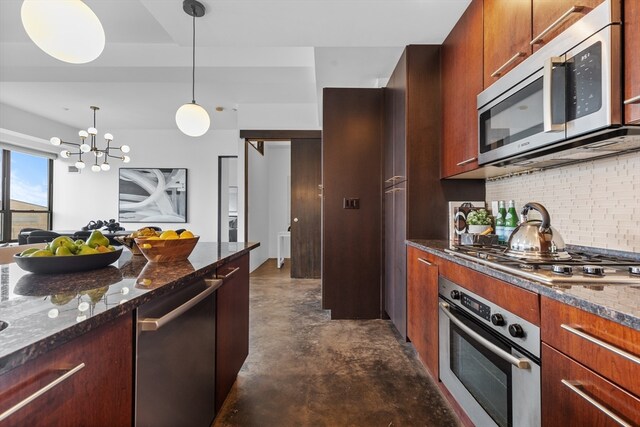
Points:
[[634, 100], [231, 273], [518, 362], [153, 324], [574, 387], [511, 60], [560, 20], [394, 190], [464, 162], [596, 341], [424, 261], [6, 414], [393, 178]]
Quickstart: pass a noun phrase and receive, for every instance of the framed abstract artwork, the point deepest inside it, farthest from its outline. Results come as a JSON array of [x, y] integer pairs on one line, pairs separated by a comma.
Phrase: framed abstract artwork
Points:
[[152, 195]]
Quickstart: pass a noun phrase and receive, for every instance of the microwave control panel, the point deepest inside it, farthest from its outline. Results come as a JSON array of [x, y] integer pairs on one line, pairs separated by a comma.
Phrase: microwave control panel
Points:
[[584, 82]]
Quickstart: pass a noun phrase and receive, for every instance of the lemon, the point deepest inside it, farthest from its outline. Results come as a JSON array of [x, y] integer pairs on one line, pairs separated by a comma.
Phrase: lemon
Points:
[[169, 234], [145, 246], [186, 234]]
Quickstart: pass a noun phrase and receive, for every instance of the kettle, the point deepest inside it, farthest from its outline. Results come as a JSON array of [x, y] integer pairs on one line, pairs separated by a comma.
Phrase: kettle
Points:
[[535, 239]]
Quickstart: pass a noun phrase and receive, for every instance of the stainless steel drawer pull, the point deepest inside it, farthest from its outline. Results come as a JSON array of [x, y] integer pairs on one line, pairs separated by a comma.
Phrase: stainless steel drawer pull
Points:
[[520, 363], [596, 341], [574, 387], [424, 261], [511, 60], [634, 100], [226, 276], [153, 324], [393, 178], [394, 190], [464, 162], [560, 20], [6, 414]]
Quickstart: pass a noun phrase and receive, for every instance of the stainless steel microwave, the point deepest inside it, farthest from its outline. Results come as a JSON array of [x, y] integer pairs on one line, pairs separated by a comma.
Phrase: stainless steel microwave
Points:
[[567, 95]]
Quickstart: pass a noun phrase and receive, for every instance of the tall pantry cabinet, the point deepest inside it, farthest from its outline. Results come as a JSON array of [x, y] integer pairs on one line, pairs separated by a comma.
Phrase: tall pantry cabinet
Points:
[[415, 199]]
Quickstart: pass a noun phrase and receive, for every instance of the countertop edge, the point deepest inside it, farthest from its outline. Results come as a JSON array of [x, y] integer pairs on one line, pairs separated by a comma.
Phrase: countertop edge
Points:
[[42, 346], [437, 248]]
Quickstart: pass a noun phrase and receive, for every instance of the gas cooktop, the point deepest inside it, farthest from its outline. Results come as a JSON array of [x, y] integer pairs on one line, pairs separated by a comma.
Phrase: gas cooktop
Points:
[[589, 269]]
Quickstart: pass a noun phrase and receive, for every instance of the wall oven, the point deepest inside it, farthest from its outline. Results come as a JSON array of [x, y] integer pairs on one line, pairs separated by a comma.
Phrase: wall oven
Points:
[[566, 95], [489, 359]]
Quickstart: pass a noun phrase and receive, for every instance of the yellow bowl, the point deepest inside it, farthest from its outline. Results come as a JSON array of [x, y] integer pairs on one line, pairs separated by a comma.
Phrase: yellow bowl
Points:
[[166, 250]]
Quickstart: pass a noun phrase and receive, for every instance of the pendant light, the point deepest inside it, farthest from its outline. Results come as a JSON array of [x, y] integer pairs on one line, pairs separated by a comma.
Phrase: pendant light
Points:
[[68, 30], [191, 118]]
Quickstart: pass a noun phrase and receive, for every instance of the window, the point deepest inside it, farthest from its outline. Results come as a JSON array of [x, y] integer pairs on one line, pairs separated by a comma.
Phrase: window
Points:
[[25, 196]]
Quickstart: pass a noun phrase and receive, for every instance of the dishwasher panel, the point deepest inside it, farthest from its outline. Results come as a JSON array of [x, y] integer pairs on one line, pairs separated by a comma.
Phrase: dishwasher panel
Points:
[[175, 364]]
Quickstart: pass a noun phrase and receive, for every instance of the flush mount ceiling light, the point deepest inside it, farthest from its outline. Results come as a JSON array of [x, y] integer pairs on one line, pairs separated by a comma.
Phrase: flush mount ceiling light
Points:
[[90, 146], [68, 30], [192, 119]]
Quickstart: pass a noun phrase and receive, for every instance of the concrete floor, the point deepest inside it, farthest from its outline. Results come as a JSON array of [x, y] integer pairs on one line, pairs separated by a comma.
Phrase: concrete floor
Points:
[[304, 369]]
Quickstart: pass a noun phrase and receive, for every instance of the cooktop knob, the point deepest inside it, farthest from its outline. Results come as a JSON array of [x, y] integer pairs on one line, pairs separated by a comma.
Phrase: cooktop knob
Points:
[[516, 331], [634, 269], [562, 269], [497, 319], [594, 270], [455, 294]]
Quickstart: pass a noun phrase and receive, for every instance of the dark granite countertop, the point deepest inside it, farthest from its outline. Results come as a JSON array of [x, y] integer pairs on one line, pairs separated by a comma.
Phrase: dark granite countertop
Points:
[[620, 303], [44, 311]]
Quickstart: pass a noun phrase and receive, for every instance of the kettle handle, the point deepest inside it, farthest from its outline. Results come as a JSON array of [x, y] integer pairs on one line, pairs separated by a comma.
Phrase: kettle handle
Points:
[[546, 218]]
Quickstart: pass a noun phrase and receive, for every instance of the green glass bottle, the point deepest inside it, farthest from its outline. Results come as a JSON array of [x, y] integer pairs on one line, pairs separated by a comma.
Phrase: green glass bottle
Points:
[[510, 220], [500, 218]]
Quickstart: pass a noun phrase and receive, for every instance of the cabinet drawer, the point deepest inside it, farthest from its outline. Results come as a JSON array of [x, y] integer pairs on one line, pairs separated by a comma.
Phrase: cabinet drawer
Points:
[[607, 347], [87, 381], [573, 395]]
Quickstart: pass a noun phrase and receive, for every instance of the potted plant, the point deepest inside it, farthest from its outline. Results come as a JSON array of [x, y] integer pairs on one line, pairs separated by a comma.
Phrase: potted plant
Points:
[[479, 221]]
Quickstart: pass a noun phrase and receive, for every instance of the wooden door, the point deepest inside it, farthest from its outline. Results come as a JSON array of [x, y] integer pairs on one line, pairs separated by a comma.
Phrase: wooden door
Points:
[[389, 253], [548, 12], [461, 84], [398, 84], [632, 61], [507, 33], [306, 176], [422, 307], [399, 260]]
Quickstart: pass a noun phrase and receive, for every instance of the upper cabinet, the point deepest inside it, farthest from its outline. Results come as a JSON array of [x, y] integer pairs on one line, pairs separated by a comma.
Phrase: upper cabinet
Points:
[[461, 83], [551, 17], [507, 36], [632, 61]]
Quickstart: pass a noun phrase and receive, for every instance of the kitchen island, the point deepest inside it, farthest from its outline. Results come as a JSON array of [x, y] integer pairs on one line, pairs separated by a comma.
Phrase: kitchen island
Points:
[[91, 317]]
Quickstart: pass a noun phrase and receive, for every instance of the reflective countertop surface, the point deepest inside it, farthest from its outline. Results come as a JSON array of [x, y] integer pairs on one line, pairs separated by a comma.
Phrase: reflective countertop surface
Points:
[[41, 311]]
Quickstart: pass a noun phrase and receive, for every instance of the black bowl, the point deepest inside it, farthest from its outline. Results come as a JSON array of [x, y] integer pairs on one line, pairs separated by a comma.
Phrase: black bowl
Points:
[[67, 264]]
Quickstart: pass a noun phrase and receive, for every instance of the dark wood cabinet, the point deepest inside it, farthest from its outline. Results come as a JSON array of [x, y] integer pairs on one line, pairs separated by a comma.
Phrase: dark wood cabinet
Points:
[[632, 61], [96, 386], [507, 34], [552, 17], [422, 310], [420, 198], [232, 325], [462, 59], [352, 134], [577, 333], [573, 395]]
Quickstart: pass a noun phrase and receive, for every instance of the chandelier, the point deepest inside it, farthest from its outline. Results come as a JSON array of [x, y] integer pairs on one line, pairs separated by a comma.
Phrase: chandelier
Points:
[[89, 146]]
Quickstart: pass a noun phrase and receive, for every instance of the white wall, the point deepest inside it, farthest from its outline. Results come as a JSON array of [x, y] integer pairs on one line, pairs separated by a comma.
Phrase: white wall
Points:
[[278, 116], [258, 215], [278, 159], [594, 203], [79, 198]]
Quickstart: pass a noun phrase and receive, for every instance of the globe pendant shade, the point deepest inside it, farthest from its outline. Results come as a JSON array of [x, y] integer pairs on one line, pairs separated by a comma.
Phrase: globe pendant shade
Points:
[[68, 30], [192, 119]]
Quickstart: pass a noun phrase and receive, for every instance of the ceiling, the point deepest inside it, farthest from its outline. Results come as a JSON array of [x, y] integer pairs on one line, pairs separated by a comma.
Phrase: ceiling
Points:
[[248, 52]]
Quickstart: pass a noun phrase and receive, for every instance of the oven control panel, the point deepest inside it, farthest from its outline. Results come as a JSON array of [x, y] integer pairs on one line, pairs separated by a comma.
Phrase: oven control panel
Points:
[[482, 310]]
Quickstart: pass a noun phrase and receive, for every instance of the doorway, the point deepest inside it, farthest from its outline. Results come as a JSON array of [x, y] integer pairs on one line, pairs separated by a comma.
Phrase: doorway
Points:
[[227, 198], [279, 211]]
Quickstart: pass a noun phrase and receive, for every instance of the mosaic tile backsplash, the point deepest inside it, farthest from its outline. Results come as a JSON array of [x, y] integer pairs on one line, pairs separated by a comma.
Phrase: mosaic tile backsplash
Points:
[[595, 203]]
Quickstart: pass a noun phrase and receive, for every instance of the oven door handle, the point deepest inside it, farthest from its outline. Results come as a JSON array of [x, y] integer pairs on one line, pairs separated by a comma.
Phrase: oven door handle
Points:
[[520, 363]]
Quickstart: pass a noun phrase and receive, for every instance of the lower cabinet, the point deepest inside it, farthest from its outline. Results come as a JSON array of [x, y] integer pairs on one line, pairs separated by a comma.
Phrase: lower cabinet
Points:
[[590, 369], [232, 325], [86, 382], [573, 395], [422, 307]]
